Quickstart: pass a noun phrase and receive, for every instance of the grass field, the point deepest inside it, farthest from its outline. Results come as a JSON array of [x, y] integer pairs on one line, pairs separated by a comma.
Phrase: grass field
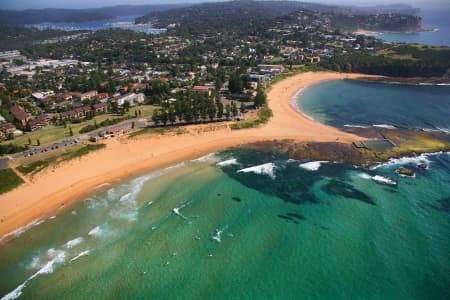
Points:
[[9, 180], [51, 134]]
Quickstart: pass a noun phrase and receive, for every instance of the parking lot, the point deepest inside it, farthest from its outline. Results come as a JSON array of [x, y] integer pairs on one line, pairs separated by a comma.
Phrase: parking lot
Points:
[[40, 150]]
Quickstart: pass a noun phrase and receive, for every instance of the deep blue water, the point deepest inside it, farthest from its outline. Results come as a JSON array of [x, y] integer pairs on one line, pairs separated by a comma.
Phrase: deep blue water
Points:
[[345, 103], [432, 18]]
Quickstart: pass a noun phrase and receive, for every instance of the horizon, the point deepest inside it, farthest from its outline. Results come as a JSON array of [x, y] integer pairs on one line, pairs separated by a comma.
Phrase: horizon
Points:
[[87, 4]]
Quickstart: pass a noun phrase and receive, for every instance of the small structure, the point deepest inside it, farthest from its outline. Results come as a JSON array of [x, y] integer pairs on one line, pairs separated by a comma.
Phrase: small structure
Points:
[[202, 89], [20, 114], [100, 108], [88, 95], [39, 122], [272, 69]]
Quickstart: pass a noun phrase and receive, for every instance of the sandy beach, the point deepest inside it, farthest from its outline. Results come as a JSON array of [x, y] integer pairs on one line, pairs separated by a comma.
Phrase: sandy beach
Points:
[[55, 188]]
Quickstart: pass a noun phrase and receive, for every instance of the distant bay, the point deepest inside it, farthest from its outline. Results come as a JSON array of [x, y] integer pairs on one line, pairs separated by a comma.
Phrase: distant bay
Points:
[[436, 21], [123, 22]]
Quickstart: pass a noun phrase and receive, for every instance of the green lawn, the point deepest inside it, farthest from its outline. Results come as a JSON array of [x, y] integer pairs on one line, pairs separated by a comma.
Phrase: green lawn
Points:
[[50, 134], [9, 180]]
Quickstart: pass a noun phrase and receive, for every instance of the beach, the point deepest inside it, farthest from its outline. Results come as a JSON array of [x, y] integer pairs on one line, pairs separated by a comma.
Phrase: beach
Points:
[[57, 187]]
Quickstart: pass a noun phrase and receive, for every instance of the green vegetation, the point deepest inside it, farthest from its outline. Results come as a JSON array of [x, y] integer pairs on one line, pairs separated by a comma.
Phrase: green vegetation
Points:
[[158, 131], [81, 152], [105, 123], [11, 149], [398, 61], [9, 180], [33, 167], [50, 134], [264, 115]]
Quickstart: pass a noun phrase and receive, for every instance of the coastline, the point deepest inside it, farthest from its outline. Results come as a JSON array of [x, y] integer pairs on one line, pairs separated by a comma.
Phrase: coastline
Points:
[[58, 187]]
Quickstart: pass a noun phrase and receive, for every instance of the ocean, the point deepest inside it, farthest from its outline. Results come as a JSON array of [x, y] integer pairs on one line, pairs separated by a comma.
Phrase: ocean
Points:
[[435, 20], [245, 224], [350, 103]]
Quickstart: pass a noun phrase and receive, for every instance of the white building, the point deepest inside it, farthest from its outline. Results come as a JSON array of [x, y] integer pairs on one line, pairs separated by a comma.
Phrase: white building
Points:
[[132, 98]]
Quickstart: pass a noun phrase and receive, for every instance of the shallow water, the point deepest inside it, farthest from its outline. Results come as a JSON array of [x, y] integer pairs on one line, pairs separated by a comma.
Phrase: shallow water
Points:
[[323, 230]]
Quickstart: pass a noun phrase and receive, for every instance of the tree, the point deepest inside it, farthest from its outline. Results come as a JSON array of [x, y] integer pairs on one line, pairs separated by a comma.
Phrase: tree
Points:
[[126, 106], [132, 125], [38, 142], [261, 98], [29, 141], [219, 110], [227, 111], [164, 117], [242, 108], [70, 131], [156, 116], [172, 116], [235, 84], [234, 109]]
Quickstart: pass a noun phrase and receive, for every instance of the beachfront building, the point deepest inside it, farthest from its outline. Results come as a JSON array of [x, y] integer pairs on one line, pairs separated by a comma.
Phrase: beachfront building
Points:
[[272, 69]]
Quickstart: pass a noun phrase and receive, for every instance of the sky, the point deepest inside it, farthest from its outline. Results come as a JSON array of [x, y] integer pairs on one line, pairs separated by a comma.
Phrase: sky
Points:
[[27, 4]]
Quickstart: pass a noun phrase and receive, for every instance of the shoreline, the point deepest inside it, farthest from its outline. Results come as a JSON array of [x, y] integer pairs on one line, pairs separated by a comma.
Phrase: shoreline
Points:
[[55, 188]]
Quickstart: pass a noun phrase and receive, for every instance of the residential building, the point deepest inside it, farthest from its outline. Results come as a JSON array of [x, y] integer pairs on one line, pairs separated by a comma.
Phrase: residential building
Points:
[[20, 114]]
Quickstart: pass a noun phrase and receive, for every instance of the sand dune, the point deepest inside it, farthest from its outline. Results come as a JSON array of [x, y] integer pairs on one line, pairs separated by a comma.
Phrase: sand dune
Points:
[[55, 188]]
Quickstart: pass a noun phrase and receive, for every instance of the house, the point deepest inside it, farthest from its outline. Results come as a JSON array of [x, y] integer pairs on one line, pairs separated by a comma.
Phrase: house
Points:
[[272, 69], [257, 78], [39, 122], [202, 89], [20, 114], [88, 95], [77, 113], [132, 98], [103, 97], [42, 95], [7, 128], [100, 108]]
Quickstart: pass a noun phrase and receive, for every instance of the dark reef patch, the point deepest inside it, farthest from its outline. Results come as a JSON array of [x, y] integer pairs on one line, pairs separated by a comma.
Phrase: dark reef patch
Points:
[[237, 199], [292, 217], [337, 187]]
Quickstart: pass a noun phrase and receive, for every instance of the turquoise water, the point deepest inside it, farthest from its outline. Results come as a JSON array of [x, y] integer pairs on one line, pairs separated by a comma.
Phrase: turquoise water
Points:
[[282, 229], [343, 103], [244, 224]]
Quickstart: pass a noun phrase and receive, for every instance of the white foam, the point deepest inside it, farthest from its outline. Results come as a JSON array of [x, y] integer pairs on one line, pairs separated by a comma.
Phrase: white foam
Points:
[[228, 162], [356, 126], [385, 126], [19, 231], [46, 269], [312, 165], [218, 236], [74, 242], [208, 157], [95, 232], [385, 180], [265, 169], [423, 158], [84, 253], [364, 175]]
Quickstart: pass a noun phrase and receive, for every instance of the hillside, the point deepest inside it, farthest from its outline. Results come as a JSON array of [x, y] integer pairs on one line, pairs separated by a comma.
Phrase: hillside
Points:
[[35, 16], [230, 15]]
